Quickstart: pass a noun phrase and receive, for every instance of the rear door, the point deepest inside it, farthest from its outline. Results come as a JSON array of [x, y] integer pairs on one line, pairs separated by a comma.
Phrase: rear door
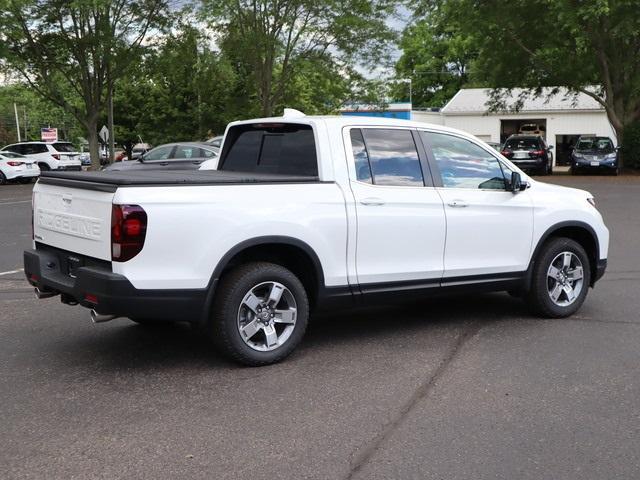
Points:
[[400, 216], [489, 228], [73, 219]]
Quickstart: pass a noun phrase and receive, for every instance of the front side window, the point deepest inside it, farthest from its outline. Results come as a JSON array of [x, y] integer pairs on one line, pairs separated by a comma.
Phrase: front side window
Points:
[[393, 157], [464, 164]]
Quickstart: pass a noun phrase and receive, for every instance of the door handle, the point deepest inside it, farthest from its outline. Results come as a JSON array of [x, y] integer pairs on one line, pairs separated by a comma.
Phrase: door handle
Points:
[[458, 204], [372, 201]]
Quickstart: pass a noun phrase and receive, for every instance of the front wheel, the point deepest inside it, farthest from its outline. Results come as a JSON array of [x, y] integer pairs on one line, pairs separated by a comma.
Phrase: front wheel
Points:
[[561, 278], [3, 178], [260, 314]]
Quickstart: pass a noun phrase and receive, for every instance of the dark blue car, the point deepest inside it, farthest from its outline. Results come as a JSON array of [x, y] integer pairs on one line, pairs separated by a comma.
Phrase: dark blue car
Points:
[[594, 154]]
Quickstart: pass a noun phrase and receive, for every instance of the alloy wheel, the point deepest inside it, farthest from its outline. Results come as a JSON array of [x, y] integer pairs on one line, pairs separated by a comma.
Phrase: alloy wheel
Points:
[[267, 316], [565, 279]]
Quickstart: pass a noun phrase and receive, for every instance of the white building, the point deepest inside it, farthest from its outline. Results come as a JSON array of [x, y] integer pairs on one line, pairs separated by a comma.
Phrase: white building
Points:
[[563, 118]]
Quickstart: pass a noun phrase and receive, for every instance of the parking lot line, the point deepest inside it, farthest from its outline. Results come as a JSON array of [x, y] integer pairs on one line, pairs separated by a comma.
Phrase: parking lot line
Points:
[[13, 203], [11, 271]]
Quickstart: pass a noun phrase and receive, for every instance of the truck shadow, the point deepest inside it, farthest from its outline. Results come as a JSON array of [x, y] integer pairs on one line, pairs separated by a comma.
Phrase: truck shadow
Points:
[[125, 345]]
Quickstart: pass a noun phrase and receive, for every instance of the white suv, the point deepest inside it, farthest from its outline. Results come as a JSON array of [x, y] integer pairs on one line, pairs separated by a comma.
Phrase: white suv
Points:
[[49, 155]]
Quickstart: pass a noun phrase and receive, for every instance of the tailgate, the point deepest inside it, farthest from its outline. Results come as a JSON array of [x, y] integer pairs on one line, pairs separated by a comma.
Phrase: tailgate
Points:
[[73, 219]]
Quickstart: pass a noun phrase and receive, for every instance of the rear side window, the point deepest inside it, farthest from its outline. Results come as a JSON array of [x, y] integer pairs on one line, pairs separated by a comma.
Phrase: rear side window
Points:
[[392, 157], [286, 149], [64, 147]]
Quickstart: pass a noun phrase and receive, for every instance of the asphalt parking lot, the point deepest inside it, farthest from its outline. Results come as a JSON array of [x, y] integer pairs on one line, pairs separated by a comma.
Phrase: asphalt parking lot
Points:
[[468, 387]]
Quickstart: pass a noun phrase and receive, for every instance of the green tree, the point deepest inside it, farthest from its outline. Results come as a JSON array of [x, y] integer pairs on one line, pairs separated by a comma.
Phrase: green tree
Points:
[[588, 46], [436, 55], [34, 112], [270, 42], [76, 49]]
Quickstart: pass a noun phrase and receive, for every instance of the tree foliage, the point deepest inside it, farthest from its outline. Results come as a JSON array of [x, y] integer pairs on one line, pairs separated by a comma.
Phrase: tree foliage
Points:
[[586, 46], [436, 56], [68, 50], [271, 42]]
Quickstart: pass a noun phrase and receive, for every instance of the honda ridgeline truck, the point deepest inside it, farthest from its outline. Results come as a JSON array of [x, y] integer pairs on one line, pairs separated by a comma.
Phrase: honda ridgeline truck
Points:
[[302, 213]]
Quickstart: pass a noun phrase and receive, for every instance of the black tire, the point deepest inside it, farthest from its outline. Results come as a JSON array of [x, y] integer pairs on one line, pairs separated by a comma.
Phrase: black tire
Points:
[[550, 169], [44, 167], [3, 179], [24, 180], [539, 297], [223, 325]]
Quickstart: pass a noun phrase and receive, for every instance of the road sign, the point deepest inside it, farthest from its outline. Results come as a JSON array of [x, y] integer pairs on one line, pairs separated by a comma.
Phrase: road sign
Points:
[[49, 134], [104, 134]]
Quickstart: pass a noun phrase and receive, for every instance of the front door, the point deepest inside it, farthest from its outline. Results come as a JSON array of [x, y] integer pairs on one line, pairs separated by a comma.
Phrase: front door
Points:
[[400, 216], [489, 228]]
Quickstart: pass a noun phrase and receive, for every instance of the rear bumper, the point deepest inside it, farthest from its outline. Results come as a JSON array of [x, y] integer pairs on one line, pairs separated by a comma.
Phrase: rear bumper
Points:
[[529, 164], [29, 173], [109, 293]]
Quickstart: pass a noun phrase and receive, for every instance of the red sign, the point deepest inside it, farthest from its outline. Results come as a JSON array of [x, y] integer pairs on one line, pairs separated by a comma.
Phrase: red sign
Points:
[[49, 134]]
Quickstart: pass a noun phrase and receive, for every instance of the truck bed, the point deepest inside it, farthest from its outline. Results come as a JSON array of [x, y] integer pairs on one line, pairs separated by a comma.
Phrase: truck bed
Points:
[[110, 181]]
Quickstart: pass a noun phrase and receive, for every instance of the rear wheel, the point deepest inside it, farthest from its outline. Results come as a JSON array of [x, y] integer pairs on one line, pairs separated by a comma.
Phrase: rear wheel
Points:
[[3, 178], [561, 278], [44, 167], [260, 314]]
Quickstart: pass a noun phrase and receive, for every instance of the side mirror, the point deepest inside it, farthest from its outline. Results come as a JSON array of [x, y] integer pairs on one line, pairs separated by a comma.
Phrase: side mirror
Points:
[[517, 185], [550, 147], [618, 148]]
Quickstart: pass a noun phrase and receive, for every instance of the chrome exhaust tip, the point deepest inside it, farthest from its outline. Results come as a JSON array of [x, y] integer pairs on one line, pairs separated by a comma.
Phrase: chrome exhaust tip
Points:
[[99, 318], [40, 294]]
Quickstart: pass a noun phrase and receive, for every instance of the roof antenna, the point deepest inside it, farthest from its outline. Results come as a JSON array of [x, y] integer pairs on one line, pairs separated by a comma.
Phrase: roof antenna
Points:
[[292, 113]]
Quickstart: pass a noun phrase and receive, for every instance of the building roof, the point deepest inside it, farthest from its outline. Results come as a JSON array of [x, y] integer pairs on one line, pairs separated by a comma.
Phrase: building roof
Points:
[[475, 100]]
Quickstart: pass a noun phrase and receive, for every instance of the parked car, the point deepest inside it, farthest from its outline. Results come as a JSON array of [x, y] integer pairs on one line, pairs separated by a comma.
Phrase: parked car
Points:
[[530, 153], [287, 225], [172, 156], [139, 149], [49, 155], [532, 129], [215, 141], [14, 166], [594, 154]]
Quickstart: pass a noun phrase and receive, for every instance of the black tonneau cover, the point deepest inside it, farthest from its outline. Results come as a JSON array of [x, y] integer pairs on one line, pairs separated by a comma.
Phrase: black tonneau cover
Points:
[[110, 181]]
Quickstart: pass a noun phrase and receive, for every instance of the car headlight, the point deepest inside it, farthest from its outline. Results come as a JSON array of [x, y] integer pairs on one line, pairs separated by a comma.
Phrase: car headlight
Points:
[[578, 156], [611, 156]]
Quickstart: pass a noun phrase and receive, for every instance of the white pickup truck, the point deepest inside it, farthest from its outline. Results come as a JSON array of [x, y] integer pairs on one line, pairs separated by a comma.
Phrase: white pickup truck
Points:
[[305, 213]]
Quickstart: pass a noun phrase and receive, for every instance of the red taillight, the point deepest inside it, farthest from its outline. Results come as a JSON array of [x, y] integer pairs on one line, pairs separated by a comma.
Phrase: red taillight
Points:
[[536, 153], [15, 164], [56, 156], [506, 153], [128, 231], [91, 298]]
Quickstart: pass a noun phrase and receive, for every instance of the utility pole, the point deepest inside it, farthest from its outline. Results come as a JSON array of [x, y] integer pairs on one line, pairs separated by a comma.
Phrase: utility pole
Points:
[[15, 109], [110, 124]]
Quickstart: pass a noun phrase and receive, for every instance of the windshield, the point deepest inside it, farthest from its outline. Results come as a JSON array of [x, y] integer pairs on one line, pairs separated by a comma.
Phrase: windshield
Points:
[[521, 144], [601, 144], [63, 147]]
